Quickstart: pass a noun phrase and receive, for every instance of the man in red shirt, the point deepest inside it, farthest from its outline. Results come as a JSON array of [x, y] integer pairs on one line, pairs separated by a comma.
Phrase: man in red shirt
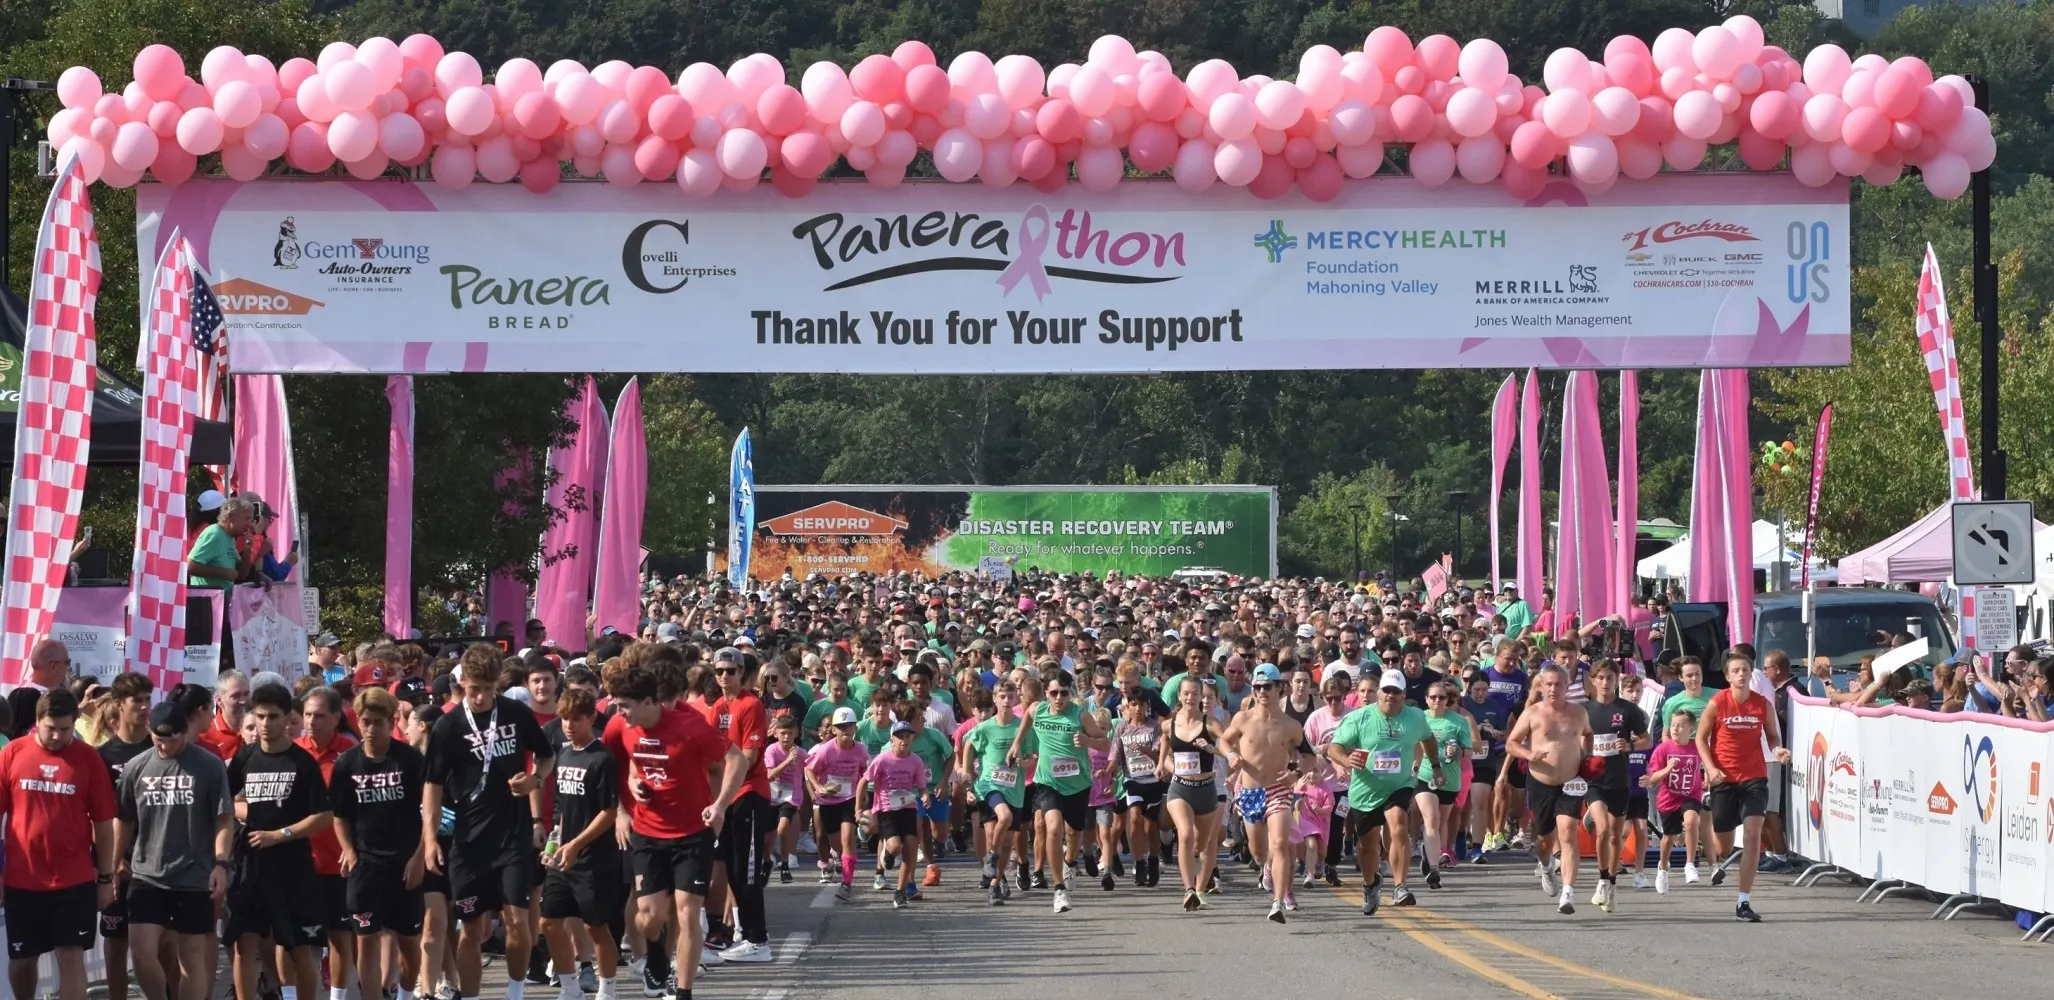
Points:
[[321, 716], [667, 756], [741, 864], [58, 798], [1730, 739], [231, 702]]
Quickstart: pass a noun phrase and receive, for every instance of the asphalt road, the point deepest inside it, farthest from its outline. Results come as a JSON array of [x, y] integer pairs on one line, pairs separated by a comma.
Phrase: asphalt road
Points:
[[1489, 933]]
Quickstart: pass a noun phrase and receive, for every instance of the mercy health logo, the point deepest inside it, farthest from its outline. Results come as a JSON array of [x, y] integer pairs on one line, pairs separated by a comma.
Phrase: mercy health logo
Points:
[[1979, 757], [835, 518], [1275, 241], [882, 248], [1676, 231]]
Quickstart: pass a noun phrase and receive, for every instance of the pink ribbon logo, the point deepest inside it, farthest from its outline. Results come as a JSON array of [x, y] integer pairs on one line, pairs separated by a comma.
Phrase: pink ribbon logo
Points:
[[1028, 264]]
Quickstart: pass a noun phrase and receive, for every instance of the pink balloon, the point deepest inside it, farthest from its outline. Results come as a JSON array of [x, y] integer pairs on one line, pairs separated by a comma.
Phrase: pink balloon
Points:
[[1866, 130], [1321, 179], [1639, 159], [1432, 162], [1615, 111], [1273, 180], [781, 109], [267, 137], [1697, 115], [173, 165], [1279, 104], [581, 97], [1632, 70], [1657, 121], [1388, 48], [112, 108], [134, 146], [617, 164], [1823, 116], [698, 174], [1534, 145], [897, 149], [308, 150], [200, 131], [455, 72], [517, 77], [79, 87], [1472, 112], [541, 176], [1299, 152], [400, 136], [863, 123], [1020, 80], [986, 116], [1593, 159], [1237, 161], [1567, 113], [454, 167], [792, 185], [382, 57], [1153, 147], [878, 79], [470, 111], [1939, 106], [1412, 118], [1775, 115], [827, 91], [957, 155], [1194, 168], [670, 117], [160, 71], [537, 115], [1361, 161], [349, 85], [1483, 65], [294, 72], [927, 88], [1033, 157], [163, 120], [1683, 152], [910, 54], [1092, 91], [619, 124], [1897, 93], [997, 170], [655, 159], [1566, 70], [1760, 152], [497, 161], [102, 132], [644, 86], [741, 153], [1232, 117], [241, 164], [1717, 52], [353, 136], [421, 51], [806, 154], [1480, 159], [1099, 168], [1058, 122]]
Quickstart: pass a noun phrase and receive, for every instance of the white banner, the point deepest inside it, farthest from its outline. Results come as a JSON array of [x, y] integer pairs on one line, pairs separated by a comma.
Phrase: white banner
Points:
[[1843, 791], [1977, 760], [1901, 853], [2025, 768], [1685, 270], [1807, 742]]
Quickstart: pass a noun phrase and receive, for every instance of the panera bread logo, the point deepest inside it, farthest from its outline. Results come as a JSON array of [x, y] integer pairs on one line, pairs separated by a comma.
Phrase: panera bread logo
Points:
[[835, 518]]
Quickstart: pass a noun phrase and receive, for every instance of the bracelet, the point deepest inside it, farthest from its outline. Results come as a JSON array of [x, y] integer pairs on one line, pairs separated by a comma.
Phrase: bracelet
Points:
[[105, 880]]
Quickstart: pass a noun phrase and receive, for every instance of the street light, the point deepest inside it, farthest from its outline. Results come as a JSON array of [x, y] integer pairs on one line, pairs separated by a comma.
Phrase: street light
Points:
[[1460, 499], [712, 523], [1391, 506]]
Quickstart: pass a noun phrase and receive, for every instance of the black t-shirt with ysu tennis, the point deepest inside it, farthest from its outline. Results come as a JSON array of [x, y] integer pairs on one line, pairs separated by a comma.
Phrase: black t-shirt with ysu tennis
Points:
[[381, 801], [473, 755], [586, 784]]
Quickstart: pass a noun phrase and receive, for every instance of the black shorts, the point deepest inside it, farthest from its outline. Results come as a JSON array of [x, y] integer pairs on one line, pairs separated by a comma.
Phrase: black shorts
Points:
[[379, 900], [1147, 795], [1673, 822], [590, 893], [276, 895], [749, 822], [1076, 807], [832, 817], [898, 823], [180, 911], [335, 903], [1484, 772], [672, 864], [486, 883], [989, 807], [1445, 796], [786, 810], [1363, 822], [1732, 804], [1549, 802], [42, 921], [1516, 774], [1615, 800], [114, 919], [438, 882], [1636, 806]]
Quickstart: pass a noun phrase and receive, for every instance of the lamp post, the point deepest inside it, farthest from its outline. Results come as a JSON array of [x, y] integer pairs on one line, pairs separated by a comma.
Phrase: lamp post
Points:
[[12, 90], [1458, 498], [712, 523], [1391, 507], [1355, 527]]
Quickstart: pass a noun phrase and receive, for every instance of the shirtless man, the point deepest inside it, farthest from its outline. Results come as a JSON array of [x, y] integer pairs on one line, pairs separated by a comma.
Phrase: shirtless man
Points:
[[1553, 737], [1263, 746]]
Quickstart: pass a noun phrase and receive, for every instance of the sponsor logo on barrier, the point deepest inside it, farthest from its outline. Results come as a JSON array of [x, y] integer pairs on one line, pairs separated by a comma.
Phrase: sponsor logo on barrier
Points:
[[1274, 241], [1676, 231], [951, 241], [243, 297], [657, 263], [1980, 775], [1938, 802], [524, 303], [1809, 247], [1815, 780], [835, 518]]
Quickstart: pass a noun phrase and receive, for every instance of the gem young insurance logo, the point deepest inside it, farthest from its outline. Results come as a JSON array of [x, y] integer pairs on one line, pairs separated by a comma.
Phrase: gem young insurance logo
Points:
[[1979, 757], [884, 247], [1275, 241]]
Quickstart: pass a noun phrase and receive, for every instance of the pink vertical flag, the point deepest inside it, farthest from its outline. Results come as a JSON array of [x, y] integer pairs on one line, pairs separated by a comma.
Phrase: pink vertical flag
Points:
[[1504, 432], [1593, 505], [506, 595], [1711, 566], [1737, 468], [616, 598], [170, 367], [1623, 582], [563, 591], [1532, 530], [399, 507], [263, 455], [1568, 512], [53, 433]]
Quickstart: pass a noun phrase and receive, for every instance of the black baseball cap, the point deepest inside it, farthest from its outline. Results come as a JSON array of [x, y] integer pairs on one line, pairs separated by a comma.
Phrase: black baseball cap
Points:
[[167, 719]]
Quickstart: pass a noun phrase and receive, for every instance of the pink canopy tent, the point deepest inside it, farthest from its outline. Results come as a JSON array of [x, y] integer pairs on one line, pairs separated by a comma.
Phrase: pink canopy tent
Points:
[[1920, 553]]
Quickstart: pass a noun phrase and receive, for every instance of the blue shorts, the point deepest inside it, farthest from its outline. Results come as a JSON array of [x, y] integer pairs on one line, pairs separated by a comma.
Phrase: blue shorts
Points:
[[938, 812], [1254, 804]]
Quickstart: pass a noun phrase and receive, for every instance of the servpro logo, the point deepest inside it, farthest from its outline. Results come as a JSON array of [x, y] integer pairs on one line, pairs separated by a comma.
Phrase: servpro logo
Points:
[[835, 518], [1939, 803], [1675, 231], [243, 297]]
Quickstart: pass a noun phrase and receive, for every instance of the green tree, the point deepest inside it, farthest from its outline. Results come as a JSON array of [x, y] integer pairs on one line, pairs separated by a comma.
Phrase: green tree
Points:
[[1335, 519]]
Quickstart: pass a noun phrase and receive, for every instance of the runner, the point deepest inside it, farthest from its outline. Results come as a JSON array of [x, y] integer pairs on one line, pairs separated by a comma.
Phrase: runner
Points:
[[1553, 737], [1635, 833], [59, 806], [1736, 722], [1263, 747], [274, 897], [1319, 731], [742, 862], [1442, 773], [176, 831], [375, 793], [832, 768], [581, 859], [999, 791], [1487, 762], [1677, 772], [898, 781], [321, 721], [1189, 748], [783, 763], [1137, 739], [436, 956], [477, 764], [1381, 746], [665, 756], [129, 738], [933, 748], [1108, 805], [1510, 689], [1617, 730], [1058, 734]]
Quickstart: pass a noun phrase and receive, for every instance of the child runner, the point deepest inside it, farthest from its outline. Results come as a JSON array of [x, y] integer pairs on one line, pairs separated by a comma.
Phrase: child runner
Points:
[[832, 768], [1677, 772], [782, 762], [897, 780]]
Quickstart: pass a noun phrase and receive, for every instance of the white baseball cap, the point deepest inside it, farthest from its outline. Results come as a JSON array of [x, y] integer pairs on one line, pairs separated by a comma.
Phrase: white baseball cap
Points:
[[212, 500], [844, 716], [1393, 680]]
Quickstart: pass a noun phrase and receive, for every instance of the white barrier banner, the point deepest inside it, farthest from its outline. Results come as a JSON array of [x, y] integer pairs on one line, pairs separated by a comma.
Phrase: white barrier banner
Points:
[[1982, 810], [1878, 767], [1807, 741], [1900, 852], [2025, 766], [1843, 791], [1686, 270]]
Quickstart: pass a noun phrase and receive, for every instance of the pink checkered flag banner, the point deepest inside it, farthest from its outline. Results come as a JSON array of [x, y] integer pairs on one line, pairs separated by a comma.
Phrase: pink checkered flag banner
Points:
[[1936, 342], [53, 434], [170, 367]]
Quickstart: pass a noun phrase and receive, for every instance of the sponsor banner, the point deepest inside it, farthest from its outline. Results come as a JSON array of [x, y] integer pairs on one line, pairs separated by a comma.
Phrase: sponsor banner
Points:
[[92, 622], [2025, 770], [1907, 779], [997, 531], [1977, 756], [1685, 270], [1807, 742], [1843, 790]]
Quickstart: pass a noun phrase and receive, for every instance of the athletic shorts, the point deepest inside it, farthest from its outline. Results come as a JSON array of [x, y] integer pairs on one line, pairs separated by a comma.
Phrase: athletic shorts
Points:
[[672, 864], [1615, 800], [1444, 796], [1516, 774], [786, 810], [898, 823], [1732, 804], [936, 811], [748, 824], [485, 884], [42, 921], [1075, 807], [1636, 807], [989, 807], [180, 911], [274, 894], [1254, 804], [1147, 794], [1548, 801], [114, 919], [437, 882], [335, 903], [832, 816], [1110, 813], [1361, 822], [379, 900], [1199, 797], [590, 892], [1673, 822], [1485, 772]]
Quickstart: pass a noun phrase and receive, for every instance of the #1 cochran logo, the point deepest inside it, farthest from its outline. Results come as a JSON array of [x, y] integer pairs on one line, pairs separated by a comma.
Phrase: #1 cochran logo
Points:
[[1675, 231]]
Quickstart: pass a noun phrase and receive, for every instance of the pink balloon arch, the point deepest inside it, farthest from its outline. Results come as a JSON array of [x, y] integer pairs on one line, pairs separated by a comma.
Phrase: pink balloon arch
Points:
[[1455, 107]]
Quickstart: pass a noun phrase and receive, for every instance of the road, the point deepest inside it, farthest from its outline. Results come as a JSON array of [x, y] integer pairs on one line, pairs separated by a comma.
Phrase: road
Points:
[[1489, 933]]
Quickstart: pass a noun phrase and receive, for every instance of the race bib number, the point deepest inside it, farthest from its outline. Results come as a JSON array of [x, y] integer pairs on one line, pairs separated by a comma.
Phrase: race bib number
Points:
[[785, 792], [1386, 762], [1185, 762], [833, 788], [1480, 753], [1607, 745], [1141, 767], [901, 798], [1576, 786], [1005, 777], [1064, 767]]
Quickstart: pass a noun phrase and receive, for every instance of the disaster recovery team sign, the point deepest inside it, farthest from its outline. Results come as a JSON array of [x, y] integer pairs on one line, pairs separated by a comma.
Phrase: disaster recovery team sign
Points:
[[1687, 270]]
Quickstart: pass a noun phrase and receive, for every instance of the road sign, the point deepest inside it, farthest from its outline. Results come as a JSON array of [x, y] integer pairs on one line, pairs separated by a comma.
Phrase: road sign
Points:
[[1996, 619], [1993, 542]]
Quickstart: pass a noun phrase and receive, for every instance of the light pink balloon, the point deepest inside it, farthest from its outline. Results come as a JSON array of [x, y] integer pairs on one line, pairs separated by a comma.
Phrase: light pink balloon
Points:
[[1279, 104], [400, 136], [1639, 159], [1823, 115], [957, 155], [863, 123], [827, 91], [1568, 112], [92, 158], [114, 108], [1673, 50], [1389, 48], [619, 124], [497, 161], [997, 170], [1237, 161], [1099, 168], [160, 71], [1361, 161], [293, 73], [517, 77], [238, 104], [1848, 161], [699, 173], [1483, 66], [200, 131], [1697, 115], [313, 101], [1566, 70], [134, 146], [1615, 111], [455, 72], [267, 137], [1212, 79], [741, 153], [1717, 52], [1860, 89], [582, 98], [1593, 159], [308, 149], [382, 57], [349, 86], [617, 164], [1195, 168], [1480, 159], [241, 164], [1683, 152], [470, 111], [1472, 112], [1020, 80], [79, 87], [353, 136], [536, 115], [421, 51], [1091, 90], [1827, 68], [102, 132], [986, 116], [1233, 117], [1432, 162]]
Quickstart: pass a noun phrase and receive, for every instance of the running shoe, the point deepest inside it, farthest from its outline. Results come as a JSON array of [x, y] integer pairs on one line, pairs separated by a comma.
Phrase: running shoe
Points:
[[913, 892], [1119, 868], [1639, 880], [652, 984], [1308, 880], [1662, 882], [1549, 885], [1690, 874], [1476, 857], [1567, 902], [891, 862], [878, 884], [1719, 873], [784, 874], [1447, 860], [448, 992], [1403, 897], [826, 876], [670, 986], [750, 952], [1291, 901], [1333, 876], [1062, 901], [1105, 881], [1433, 878], [1602, 898], [1190, 900], [1040, 880], [1276, 911], [1025, 882], [1745, 913], [898, 900], [983, 882], [1090, 866], [708, 958], [1521, 842], [1140, 873], [843, 891], [1371, 898], [998, 894], [990, 869], [933, 876], [1262, 883], [538, 972], [806, 844], [588, 977]]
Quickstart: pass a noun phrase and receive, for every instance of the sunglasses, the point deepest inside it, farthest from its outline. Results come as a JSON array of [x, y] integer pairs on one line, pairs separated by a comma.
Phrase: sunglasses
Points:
[[1058, 692], [1261, 687], [1102, 687], [724, 671]]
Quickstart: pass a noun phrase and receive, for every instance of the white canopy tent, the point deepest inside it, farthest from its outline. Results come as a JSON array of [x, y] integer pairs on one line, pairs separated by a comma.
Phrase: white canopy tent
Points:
[[1673, 563]]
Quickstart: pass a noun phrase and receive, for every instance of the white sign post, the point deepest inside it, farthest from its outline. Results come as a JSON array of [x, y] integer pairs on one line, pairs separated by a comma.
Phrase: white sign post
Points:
[[1993, 542]]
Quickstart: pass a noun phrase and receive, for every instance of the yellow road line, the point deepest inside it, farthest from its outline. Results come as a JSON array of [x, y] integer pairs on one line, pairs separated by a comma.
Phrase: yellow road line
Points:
[[1444, 922], [1475, 966]]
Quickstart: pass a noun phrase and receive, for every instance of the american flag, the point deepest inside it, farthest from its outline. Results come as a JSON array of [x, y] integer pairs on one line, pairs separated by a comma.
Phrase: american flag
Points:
[[210, 345]]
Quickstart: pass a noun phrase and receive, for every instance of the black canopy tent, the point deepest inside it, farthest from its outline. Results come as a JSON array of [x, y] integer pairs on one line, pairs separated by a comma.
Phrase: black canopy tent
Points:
[[117, 404]]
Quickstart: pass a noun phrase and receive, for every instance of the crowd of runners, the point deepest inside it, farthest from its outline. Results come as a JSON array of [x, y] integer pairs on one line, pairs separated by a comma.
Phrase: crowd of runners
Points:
[[393, 814]]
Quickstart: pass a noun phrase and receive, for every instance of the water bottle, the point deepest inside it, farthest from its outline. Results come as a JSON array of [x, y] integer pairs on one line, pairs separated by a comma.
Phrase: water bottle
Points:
[[549, 848]]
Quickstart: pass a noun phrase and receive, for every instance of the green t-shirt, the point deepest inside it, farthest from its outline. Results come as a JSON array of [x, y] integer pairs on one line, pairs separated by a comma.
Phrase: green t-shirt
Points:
[[991, 740], [859, 691], [1682, 701], [1393, 748], [817, 715], [1059, 763], [1451, 736], [215, 547], [805, 690], [934, 749], [1518, 617], [873, 735]]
